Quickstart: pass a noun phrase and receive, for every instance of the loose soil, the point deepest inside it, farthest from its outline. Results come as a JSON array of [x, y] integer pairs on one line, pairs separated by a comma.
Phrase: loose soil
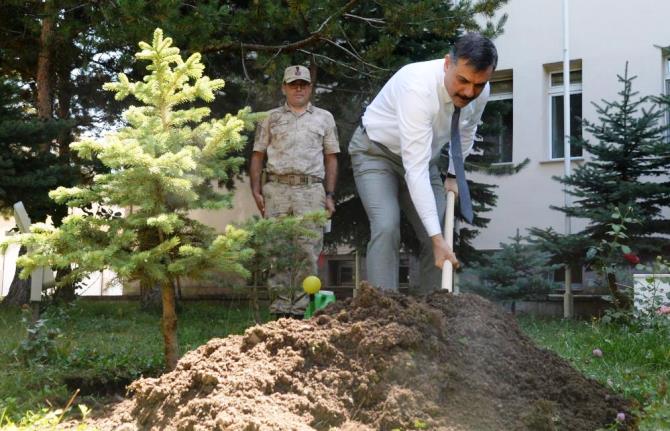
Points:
[[375, 362]]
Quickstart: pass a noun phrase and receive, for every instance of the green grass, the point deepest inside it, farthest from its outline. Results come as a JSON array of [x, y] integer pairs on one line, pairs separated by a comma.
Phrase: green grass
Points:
[[96, 344], [635, 362]]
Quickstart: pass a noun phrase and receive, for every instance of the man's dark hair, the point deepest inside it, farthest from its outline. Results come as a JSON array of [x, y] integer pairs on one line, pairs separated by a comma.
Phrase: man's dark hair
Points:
[[477, 50]]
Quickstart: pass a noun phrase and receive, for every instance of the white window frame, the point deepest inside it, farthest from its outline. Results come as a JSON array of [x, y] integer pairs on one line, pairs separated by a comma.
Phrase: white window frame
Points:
[[556, 91], [508, 95]]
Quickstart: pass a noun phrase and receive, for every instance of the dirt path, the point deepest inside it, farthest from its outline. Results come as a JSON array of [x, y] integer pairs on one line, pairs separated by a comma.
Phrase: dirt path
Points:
[[377, 362]]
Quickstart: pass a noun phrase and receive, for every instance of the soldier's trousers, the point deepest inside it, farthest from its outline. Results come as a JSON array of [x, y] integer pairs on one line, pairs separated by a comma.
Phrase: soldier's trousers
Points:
[[284, 199]]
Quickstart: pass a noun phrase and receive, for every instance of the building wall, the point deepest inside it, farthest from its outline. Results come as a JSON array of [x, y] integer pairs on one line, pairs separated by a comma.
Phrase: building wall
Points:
[[604, 34], [244, 207]]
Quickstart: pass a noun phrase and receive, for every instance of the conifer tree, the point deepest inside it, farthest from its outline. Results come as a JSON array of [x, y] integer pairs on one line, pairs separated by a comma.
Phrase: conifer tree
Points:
[[163, 165], [27, 174], [628, 169], [278, 248], [518, 270], [29, 168]]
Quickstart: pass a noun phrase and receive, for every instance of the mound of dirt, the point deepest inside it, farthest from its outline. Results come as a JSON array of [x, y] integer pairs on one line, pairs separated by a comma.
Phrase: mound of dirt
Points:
[[376, 362]]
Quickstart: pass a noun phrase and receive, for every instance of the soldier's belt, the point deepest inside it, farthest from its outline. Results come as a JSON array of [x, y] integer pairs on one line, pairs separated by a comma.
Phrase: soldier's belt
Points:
[[295, 179]]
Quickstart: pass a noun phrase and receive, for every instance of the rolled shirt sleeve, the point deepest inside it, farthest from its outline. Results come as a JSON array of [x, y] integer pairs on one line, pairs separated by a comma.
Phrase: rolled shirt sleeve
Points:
[[262, 137], [331, 143]]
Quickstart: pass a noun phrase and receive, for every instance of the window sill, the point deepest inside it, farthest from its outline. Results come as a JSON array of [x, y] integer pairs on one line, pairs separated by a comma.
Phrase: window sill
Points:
[[561, 160]]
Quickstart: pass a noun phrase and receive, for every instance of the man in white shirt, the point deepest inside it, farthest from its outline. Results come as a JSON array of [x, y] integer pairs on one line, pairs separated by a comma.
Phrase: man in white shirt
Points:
[[395, 151]]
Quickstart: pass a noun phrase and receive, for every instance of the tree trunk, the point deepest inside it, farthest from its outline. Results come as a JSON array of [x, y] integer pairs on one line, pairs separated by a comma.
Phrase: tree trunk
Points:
[[64, 101], [169, 325], [44, 106], [621, 300], [19, 293], [150, 297], [179, 294], [66, 292], [253, 298], [19, 290]]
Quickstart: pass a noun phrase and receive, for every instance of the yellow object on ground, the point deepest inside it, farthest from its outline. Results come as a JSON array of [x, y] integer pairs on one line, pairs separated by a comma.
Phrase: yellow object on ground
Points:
[[311, 284]]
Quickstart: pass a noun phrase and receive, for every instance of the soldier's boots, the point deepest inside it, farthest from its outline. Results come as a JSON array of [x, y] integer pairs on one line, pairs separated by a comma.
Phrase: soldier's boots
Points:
[[283, 306]]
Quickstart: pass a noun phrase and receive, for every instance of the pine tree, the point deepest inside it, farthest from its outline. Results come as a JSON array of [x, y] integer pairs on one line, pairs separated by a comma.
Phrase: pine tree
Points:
[[28, 170], [518, 270], [27, 173], [277, 248], [162, 166], [631, 159]]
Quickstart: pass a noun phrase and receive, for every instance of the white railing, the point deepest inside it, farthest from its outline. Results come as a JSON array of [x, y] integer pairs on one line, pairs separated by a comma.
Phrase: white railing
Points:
[[101, 283], [651, 290]]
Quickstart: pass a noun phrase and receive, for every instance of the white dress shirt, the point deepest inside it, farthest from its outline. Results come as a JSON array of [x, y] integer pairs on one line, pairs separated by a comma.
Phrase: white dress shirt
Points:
[[411, 116]]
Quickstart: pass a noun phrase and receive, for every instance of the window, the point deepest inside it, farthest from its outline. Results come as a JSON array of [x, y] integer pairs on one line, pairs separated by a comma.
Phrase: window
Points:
[[556, 129], [403, 271], [496, 129], [340, 273]]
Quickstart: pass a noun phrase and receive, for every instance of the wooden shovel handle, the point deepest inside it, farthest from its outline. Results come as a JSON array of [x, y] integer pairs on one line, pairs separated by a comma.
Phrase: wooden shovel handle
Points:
[[447, 268]]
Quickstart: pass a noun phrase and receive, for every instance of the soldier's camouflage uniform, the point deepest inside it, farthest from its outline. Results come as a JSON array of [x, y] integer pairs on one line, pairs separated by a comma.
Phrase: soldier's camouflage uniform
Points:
[[295, 145]]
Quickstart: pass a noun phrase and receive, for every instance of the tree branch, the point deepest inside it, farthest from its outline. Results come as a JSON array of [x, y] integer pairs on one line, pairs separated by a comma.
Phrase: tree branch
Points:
[[340, 63], [353, 54], [374, 22], [312, 39], [244, 66]]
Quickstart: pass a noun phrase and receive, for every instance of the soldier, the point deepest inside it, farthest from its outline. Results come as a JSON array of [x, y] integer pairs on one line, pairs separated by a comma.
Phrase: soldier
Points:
[[301, 145]]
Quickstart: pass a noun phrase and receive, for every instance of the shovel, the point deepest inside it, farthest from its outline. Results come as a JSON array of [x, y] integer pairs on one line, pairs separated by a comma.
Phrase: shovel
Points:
[[448, 268]]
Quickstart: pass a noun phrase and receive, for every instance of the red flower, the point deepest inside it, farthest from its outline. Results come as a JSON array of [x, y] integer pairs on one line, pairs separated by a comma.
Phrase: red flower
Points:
[[631, 258]]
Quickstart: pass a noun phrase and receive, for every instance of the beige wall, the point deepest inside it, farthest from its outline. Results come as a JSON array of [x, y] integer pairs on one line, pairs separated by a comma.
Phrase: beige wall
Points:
[[243, 208], [604, 34]]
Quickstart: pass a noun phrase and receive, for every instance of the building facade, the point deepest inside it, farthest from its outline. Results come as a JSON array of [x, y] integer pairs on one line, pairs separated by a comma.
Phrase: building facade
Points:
[[605, 37]]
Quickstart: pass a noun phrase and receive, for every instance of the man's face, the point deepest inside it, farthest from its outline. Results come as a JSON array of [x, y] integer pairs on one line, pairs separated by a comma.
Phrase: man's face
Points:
[[463, 82], [297, 93]]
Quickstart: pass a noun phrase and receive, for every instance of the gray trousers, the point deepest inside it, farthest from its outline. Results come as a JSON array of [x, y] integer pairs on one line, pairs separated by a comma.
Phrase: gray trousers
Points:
[[380, 181]]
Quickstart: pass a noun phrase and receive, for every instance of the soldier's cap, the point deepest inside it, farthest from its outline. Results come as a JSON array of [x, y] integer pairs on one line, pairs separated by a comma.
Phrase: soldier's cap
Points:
[[295, 73]]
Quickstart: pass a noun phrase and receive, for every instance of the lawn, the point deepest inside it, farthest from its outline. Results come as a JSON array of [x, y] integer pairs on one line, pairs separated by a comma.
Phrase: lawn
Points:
[[101, 346], [635, 362]]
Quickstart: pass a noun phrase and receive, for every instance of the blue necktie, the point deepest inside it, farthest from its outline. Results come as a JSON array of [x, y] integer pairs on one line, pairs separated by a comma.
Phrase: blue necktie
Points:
[[457, 158]]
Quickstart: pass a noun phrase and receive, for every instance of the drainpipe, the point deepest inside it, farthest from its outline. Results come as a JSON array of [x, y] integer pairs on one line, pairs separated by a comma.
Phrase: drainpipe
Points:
[[568, 299]]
